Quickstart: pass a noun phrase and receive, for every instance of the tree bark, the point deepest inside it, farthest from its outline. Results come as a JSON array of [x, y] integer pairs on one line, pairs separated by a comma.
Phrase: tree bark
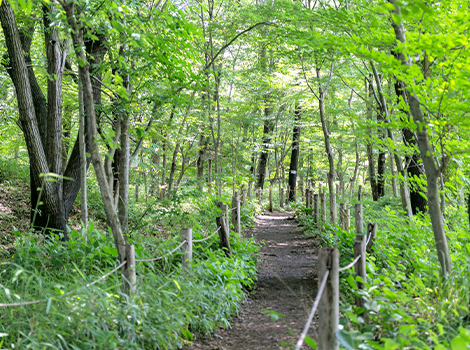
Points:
[[294, 159], [51, 208], [328, 150], [404, 192], [426, 151], [113, 220], [414, 166], [83, 160], [370, 151], [268, 128]]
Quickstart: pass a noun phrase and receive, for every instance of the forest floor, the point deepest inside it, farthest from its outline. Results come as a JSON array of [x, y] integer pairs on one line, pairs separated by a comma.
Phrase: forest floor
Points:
[[287, 284]]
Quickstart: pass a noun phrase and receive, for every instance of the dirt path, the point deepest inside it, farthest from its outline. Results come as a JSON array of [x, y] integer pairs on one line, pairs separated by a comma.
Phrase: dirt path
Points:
[[286, 284]]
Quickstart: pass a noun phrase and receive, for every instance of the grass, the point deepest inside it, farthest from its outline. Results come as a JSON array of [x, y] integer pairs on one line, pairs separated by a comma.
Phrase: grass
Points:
[[409, 305], [169, 306]]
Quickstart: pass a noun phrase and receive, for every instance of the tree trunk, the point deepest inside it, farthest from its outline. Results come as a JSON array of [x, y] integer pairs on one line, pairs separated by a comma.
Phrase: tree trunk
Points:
[[263, 157], [432, 172], [414, 166], [294, 159], [200, 161], [83, 160], [394, 177], [404, 192], [329, 152], [370, 152], [381, 159], [52, 209], [77, 38]]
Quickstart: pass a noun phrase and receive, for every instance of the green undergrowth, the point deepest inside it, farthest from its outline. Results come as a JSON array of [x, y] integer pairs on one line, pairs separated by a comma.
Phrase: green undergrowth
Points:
[[409, 305], [169, 307]]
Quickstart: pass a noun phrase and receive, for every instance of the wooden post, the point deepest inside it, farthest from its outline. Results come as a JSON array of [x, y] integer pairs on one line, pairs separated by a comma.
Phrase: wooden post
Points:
[[342, 209], [250, 190], [359, 221], [307, 199], [372, 232], [359, 193], [281, 197], [239, 216], [316, 213], [347, 220], [323, 208], [234, 211], [187, 234], [270, 199], [328, 308], [129, 271], [360, 268], [223, 231]]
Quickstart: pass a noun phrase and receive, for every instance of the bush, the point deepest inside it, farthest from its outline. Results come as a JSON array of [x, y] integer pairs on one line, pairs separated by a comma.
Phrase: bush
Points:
[[168, 307]]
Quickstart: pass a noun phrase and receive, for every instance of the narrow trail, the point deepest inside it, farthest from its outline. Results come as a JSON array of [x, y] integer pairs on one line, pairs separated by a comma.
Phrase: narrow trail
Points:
[[287, 284]]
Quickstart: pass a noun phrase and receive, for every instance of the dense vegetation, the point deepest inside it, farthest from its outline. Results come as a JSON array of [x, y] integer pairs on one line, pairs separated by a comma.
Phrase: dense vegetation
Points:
[[124, 121]]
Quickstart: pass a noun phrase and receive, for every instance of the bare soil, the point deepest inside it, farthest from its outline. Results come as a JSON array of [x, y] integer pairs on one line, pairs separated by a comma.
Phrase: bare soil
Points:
[[287, 284]]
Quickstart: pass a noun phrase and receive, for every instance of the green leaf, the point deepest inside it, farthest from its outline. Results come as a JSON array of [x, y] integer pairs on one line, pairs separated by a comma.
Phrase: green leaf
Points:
[[49, 303], [346, 340], [458, 344], [396, 18], [311, 342], [351, 281], [274, 315], [467, 247], [374, 23]]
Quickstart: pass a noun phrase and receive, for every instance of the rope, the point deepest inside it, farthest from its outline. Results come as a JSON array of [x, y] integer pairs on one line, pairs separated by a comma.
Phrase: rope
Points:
[[68, 293], [161, 257], [351, 264], [205, 239], [368, 239], [357, 257], [312, 311]]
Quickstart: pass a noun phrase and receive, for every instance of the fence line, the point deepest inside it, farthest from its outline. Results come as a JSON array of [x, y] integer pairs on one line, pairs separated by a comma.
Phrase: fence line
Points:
[[129, 274], [312, 312], [205, 239], [328, 318], [351, 264], [161, 257], [68, 293]]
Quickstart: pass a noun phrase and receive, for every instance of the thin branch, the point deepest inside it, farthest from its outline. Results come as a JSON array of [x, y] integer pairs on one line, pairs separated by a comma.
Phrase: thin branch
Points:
[[139, 143], [235, 38], [329, 78], [306, 80]]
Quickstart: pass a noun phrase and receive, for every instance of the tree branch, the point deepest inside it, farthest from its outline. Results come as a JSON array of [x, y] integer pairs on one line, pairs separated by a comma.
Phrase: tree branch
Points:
[[235, 38]]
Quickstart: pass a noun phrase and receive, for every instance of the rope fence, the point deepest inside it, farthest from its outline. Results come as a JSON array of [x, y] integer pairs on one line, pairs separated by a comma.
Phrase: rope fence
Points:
[[312, 312], [327, 298], [162, 256], [205, 239], [68, 293], [351, 264], [128, 265]]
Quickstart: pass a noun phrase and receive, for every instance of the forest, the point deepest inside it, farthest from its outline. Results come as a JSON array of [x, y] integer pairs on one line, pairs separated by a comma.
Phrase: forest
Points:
[[142, 141]]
